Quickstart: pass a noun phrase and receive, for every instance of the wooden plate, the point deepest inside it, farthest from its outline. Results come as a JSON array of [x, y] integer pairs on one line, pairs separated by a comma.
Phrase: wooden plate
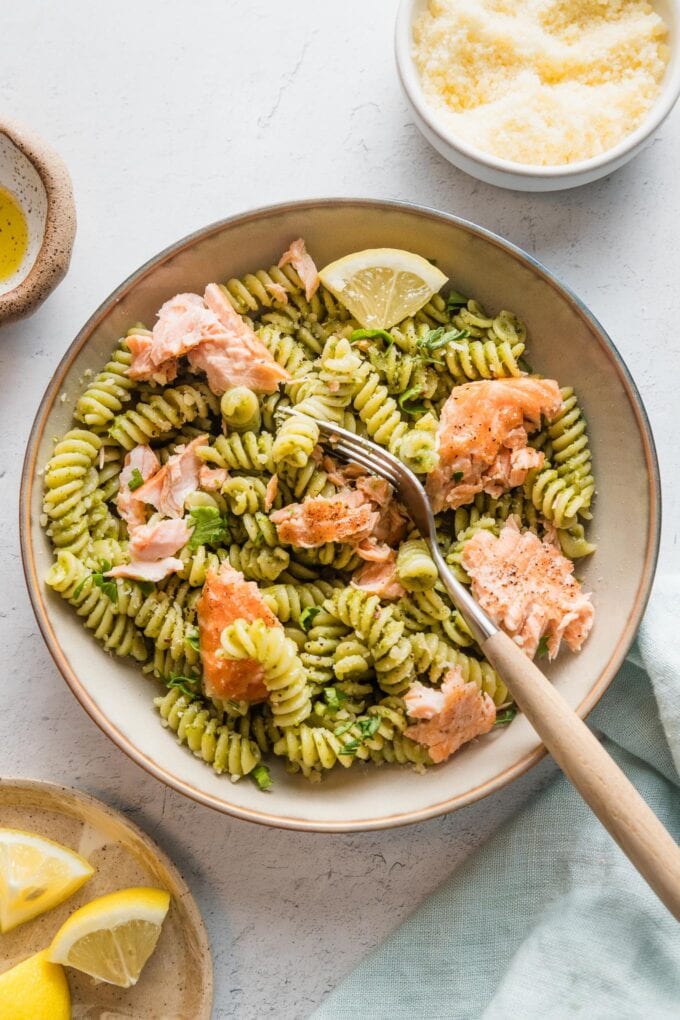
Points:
[[176, 983]]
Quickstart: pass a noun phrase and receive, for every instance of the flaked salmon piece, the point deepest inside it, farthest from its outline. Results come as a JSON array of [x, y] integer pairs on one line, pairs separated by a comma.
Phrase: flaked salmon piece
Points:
[[379, 577], [235, 357], [453, 715], [345, 517], [141, 459], [340, 476], [278, 292], [373, 551], [303, 265], [528, 588], [152, 548], [183, 323], [225, 598], [271, 492], [158, 540], [147, 570], [212, 479], [482, 437], [392, 522], [170, 486]]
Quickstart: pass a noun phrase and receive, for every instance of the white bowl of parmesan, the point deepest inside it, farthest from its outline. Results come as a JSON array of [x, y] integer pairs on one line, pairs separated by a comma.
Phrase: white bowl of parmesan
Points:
[[539, 95]]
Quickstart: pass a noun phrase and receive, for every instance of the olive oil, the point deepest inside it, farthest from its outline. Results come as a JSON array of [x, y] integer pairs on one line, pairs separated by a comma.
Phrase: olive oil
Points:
[[13, 234]]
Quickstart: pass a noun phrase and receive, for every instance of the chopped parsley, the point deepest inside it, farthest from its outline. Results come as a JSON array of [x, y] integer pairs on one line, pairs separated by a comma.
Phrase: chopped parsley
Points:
[[333, 697], [209, 527], [146, 587], [371, 334], [412, 394], [369, 726], [350, 748], [107, 584], [506, 716], [185, 684], [542, 649], [136, 480], [262, 777], [307, 617], [455, 300], [79, 587], [191, 638], [440, 337], [339, 730]]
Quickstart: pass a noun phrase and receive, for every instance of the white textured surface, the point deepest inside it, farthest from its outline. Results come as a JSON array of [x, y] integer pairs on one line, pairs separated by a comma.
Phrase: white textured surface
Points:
[[175, 114]]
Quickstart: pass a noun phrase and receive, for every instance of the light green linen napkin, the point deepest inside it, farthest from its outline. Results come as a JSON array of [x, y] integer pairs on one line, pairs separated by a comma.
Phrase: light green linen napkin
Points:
[[548, 918]]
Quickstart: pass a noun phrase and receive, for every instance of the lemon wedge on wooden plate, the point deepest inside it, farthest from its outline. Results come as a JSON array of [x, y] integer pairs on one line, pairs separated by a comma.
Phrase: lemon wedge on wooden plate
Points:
[[34, 990], [35, 875], [382, 286], [112, 937]]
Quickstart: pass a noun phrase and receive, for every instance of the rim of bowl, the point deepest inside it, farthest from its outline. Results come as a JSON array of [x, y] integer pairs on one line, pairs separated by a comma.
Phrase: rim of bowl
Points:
[[54, 254], [410, 81], [89, 803], [35, 586]]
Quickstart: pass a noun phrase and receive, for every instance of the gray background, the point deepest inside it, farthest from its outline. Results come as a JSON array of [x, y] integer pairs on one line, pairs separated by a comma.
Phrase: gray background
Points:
[[170, 116]]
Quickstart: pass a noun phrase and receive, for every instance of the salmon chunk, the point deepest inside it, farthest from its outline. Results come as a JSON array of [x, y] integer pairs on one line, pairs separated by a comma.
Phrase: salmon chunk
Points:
[[152, 551], [141, 462], [236, 357], [482, 437], [528, 588], [225, 598], [168, 488], [212, 479], [346, 517], [379, 577], [213, 336], [453, 715], [303, 265]]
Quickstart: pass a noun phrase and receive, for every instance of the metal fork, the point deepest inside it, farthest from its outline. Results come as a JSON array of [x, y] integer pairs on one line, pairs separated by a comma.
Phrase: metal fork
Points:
[[576, 750]]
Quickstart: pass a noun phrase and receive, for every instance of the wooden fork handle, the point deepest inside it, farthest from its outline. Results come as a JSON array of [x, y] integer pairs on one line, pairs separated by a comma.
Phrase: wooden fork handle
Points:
[[601, 783]]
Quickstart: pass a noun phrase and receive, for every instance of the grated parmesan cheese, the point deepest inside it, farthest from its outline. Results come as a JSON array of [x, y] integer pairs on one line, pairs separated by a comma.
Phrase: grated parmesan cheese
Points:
[[544, 82]]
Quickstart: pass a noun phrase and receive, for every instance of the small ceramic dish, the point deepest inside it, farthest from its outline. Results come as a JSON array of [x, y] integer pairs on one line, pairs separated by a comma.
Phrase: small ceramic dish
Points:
[[565, 342], [177, 980], [518, 176], [39, 183]]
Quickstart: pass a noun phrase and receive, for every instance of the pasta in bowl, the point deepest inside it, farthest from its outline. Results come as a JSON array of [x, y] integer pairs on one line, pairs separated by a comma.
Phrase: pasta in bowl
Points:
[[280, 601]]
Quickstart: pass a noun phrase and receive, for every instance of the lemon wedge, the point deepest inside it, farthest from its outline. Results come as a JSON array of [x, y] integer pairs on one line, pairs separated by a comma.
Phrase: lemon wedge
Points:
[[382, 286], [35, 875], [112, 937], [35, 990]]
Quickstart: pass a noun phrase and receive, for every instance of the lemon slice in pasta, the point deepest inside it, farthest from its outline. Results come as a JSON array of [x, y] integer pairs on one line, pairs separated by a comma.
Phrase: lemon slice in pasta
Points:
[[112, 937], [35, 875], [382, 286]]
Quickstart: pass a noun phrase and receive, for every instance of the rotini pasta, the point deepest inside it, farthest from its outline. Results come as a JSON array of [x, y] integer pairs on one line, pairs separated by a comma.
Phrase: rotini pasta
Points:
[[329, 651]]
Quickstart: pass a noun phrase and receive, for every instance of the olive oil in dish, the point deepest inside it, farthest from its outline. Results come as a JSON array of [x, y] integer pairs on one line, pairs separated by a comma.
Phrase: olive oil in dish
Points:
[[13, 235]]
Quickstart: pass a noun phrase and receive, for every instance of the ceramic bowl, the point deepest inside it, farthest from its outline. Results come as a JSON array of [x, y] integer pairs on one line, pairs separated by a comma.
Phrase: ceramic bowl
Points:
[[565, 341], [38, 179], [518, 176]]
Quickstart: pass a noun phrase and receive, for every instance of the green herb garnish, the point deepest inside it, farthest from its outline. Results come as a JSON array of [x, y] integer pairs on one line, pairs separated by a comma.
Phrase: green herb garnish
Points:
[[79, 587], [506, 716], [107, 585], [411, 394], [350, 748], [307, 617], [191, 638], [542, 649], [339, 730], [333, 697], [185, 684], [440, 337], [371, 334], [262, 777], [146, 587], [369, 726], [455, 300], [136, 480], [458, 476], [209, 527]]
